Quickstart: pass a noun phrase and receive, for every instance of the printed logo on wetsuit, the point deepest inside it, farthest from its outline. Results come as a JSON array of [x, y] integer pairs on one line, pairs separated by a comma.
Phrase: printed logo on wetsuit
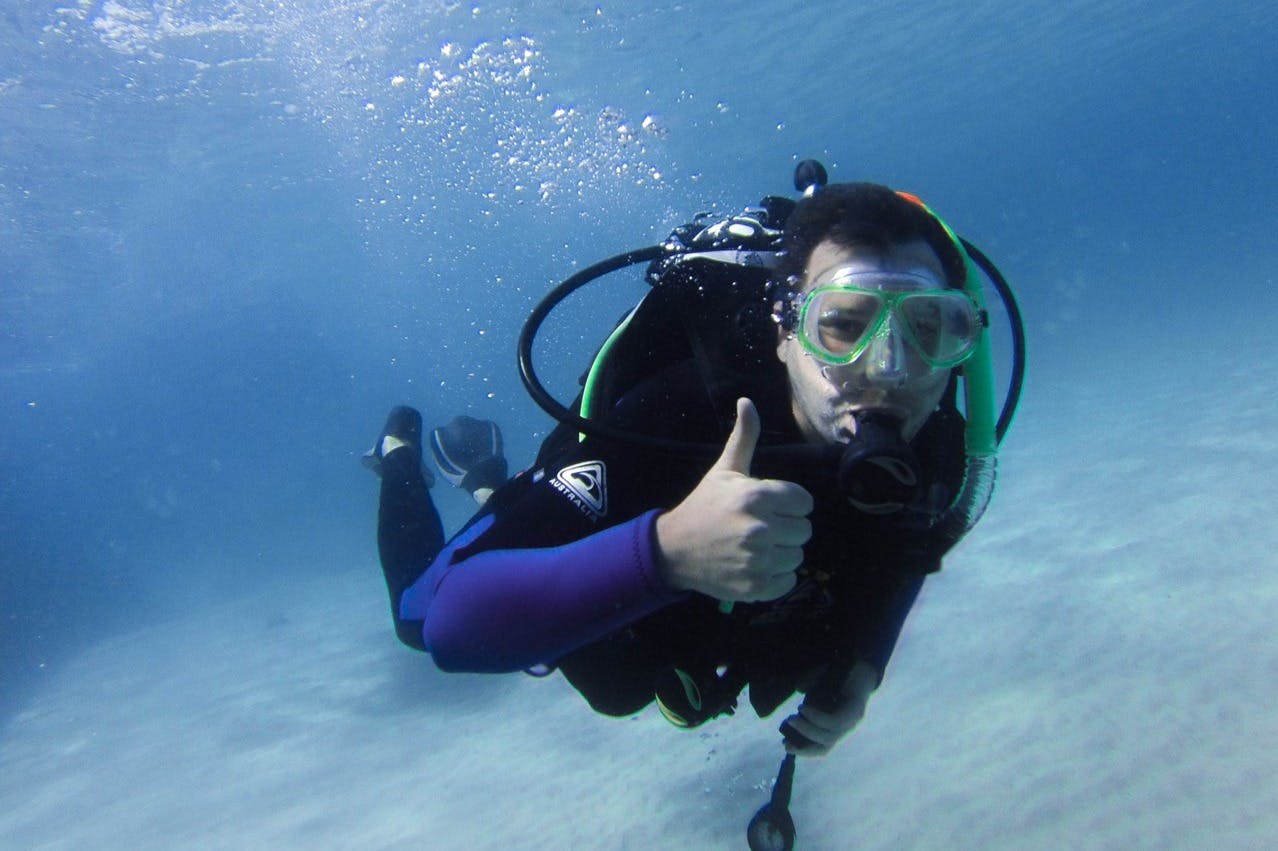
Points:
[[586, 486]]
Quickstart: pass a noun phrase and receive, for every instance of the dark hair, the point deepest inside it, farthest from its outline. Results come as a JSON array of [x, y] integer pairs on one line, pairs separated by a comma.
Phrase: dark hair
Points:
[[864, 214]]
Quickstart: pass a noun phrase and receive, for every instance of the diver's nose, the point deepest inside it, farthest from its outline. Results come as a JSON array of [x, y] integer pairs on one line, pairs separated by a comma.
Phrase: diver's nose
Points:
[[885, 356]]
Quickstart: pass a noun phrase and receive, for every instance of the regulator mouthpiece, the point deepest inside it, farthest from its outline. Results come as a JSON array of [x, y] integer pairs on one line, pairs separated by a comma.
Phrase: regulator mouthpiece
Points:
[[879, 473]]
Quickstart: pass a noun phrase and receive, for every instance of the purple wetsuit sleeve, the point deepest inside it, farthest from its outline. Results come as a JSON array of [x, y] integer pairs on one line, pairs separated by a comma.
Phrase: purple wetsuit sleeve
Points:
[[507, 610]]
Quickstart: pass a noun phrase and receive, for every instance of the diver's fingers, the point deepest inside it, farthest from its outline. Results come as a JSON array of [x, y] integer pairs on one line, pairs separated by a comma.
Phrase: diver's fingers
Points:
[[777, 496], [790, 531], [780, 582]]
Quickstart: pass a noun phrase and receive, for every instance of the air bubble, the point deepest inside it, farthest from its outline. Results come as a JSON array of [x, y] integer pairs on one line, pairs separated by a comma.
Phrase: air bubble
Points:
[[655, 126]]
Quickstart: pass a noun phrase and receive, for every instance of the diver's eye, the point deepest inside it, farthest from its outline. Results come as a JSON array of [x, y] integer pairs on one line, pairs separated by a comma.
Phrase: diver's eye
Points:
[[843, 326], [928, 324]]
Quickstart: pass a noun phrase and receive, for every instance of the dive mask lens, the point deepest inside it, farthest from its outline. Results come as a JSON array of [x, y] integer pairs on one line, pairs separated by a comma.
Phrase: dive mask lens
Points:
[[944, 327], [837, 323]]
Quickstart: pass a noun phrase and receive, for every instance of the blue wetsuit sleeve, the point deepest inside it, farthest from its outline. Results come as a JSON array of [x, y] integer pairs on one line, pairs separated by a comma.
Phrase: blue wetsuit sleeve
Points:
[[878, 646], [509, 609]]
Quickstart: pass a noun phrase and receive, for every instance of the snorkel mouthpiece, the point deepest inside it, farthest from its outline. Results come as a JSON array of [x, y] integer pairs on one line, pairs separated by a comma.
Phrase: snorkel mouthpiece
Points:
[[879, 473]]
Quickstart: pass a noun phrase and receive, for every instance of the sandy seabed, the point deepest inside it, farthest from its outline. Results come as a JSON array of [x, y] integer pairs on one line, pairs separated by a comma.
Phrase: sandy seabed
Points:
[[1096, 668]]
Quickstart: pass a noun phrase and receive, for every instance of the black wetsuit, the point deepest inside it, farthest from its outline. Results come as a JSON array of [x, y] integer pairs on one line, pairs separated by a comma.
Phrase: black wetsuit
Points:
[[558, 569]]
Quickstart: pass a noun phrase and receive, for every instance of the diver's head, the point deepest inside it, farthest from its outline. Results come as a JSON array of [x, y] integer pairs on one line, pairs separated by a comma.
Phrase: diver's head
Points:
[[865, 214], [871, 312]]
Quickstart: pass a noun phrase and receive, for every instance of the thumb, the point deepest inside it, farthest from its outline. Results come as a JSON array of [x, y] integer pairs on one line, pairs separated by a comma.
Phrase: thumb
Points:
[[738, 452]]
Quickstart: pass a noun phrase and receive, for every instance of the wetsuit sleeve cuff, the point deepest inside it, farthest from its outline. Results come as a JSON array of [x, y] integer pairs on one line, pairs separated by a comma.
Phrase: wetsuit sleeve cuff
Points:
[[648, 558]]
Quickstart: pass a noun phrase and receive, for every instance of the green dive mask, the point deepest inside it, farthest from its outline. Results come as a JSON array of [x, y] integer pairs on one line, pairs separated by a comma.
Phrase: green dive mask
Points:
[[850, 309]]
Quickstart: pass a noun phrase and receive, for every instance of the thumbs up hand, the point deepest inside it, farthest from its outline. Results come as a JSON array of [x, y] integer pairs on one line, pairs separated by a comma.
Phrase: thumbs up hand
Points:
[[734, 537]]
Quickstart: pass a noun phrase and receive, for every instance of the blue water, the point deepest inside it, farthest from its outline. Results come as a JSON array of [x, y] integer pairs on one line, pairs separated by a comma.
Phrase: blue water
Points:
[[232, 234]]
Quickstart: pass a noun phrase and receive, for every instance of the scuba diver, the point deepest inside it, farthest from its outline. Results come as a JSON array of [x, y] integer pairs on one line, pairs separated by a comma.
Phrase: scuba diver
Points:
[[767, 459]]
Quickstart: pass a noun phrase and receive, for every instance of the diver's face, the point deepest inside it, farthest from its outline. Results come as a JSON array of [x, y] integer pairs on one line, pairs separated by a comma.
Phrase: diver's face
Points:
[[889, 376]]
